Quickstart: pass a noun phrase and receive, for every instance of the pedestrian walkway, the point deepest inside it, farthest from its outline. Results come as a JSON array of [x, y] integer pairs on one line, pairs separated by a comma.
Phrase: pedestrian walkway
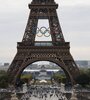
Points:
[[44, 93]]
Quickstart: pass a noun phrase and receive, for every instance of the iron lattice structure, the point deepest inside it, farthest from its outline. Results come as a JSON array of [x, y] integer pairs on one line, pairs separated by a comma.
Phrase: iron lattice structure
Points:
[[57, 51]]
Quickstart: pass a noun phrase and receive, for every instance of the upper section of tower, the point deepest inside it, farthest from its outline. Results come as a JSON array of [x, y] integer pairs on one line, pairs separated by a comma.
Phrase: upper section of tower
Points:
[[42, 3], [46, 10]]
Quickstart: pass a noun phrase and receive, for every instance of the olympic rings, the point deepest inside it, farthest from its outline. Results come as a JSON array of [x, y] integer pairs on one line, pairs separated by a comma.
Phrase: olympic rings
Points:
[[43, 31], [39, 34]]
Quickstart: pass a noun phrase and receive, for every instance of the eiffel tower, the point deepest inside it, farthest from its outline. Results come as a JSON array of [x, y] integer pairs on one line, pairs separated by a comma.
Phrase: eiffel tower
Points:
[[30, 51]]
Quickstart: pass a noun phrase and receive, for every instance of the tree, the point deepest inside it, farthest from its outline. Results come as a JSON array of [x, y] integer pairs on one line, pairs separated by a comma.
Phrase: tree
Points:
[[26, 78], [59, 78], [3, 79], [84, 77]]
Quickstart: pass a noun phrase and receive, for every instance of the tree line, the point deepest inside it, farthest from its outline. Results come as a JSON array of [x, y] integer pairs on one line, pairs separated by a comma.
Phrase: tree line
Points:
[[83, 79]]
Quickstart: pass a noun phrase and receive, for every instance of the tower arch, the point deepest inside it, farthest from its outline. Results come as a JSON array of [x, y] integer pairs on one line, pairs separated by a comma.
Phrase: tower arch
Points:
[[28, 52]]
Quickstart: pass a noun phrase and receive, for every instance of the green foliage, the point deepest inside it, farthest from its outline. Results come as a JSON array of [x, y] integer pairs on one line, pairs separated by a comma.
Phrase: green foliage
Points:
[[26, 78], [84, 77], [59, 78], [3, 79], [88, 72]]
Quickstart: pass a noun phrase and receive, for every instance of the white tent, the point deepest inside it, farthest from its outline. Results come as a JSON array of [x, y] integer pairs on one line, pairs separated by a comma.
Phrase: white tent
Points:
[[43, 81]]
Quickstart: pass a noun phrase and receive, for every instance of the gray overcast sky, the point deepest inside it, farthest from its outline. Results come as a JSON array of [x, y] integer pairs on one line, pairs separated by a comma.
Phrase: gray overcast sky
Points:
[[74, 16]]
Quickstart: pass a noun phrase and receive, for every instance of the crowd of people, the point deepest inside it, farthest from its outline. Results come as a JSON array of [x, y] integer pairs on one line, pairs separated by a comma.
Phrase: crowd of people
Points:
[[43, 92]]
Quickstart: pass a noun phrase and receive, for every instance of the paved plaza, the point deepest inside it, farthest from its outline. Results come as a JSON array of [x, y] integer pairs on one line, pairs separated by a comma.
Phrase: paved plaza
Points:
[[53, 97], [44, 93]]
